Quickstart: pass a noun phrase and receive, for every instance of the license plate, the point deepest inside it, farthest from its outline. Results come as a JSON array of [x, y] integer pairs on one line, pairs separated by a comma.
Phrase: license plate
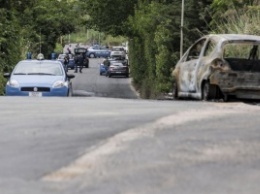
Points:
[[35, 94], [118, 72]]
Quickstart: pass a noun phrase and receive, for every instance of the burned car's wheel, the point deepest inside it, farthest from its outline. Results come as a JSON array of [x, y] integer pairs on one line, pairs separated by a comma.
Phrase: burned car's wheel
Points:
[[226, 98], [210, 92], [205, 91], [175, 91]]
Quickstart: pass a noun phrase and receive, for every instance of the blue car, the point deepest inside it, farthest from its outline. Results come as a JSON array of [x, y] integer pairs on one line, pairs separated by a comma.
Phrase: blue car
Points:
[[38, 78], [98, 51], [103, 69]]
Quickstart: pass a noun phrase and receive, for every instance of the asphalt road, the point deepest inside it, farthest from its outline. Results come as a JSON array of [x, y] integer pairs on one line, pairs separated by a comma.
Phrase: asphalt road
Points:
[[114, 145], [90, 83]]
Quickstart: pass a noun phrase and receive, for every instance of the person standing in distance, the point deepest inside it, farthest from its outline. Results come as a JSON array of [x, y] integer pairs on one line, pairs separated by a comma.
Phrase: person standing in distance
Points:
[[66, 62], [79, 62], [69, 49]]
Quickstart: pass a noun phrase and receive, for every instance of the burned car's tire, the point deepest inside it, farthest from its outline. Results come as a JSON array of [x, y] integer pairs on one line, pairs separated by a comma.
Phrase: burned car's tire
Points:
[[175, 91], [226, 98], [229, 98], [210, 92], [205, 91]]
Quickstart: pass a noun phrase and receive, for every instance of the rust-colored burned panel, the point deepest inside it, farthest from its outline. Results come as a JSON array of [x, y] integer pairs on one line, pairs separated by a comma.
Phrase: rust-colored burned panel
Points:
[[236, 79], [175, 75], [182, 76], [203, 70]]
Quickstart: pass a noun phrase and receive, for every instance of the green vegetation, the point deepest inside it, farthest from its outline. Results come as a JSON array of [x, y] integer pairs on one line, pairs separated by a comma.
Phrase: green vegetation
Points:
[[152, 28], [239, 18], [156, 42]]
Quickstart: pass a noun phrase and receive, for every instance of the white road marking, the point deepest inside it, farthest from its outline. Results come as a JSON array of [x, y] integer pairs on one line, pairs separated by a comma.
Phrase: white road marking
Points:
[[119, 142]]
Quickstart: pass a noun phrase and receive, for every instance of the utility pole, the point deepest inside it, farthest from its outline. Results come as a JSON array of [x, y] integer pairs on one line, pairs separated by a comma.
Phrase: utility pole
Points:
[[182, 18], [40, 40], [98, 37]]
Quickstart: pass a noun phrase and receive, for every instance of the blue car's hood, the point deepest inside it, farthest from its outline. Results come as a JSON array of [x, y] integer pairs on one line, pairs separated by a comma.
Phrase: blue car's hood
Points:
[[36, 80]]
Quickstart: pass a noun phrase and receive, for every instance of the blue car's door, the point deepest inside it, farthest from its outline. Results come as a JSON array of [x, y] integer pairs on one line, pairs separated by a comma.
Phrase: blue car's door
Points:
[[104, 52]]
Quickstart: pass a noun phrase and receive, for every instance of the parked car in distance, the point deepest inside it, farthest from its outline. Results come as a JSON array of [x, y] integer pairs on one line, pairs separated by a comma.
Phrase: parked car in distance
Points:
[[71, 64], [220, 66], [118, 51], [103, 67], [98, 51], [82, 50], [79, 50], [117, 68], [38, 78]]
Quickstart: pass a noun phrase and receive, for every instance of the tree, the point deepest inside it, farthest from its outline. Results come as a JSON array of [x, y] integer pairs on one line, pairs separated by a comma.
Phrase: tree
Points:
[[33, 25], [110, 16], [156, 26], [51, 19], [9, 41]]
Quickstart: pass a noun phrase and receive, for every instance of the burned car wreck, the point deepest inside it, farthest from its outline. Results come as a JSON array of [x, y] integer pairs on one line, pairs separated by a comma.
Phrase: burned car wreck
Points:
[[219, 66]]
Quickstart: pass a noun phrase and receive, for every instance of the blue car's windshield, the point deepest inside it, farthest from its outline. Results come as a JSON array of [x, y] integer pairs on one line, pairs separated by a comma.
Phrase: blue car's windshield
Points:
[[38, 68]]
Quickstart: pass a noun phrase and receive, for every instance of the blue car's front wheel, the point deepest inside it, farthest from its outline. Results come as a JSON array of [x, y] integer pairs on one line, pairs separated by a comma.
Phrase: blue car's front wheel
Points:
[[92, 55]]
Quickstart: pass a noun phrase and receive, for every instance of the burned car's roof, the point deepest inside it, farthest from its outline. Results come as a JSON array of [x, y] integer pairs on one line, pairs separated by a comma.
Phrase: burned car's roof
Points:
[[234, 37]]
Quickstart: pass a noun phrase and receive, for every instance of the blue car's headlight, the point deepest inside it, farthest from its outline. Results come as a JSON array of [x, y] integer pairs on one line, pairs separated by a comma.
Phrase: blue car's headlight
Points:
[[60, 84], [13, 83]]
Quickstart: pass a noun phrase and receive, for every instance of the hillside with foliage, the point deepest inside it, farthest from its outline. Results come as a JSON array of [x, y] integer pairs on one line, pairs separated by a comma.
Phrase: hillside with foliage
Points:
[[152, 28]]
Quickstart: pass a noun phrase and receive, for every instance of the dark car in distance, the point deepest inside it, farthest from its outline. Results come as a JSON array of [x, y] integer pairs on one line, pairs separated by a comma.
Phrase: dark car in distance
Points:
[[103, 67], [81, 50], [118, 68]]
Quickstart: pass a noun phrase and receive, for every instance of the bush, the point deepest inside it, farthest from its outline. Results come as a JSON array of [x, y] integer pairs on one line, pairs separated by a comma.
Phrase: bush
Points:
[[2, 83], [154, 49], [240, 22]]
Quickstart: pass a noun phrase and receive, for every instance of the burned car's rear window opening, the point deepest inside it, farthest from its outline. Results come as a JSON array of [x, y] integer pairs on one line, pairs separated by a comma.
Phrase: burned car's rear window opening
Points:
[[242, 56]]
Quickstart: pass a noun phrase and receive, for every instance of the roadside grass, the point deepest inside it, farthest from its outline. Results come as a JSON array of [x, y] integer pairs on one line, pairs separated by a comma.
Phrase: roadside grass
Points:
[[246, 23]]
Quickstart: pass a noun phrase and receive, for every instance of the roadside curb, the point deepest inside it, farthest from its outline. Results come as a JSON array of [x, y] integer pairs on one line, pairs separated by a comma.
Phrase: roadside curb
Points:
[[133, 88]]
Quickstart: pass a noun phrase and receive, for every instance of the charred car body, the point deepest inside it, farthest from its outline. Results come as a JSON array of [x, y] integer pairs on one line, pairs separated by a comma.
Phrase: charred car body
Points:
[[219, 66]]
